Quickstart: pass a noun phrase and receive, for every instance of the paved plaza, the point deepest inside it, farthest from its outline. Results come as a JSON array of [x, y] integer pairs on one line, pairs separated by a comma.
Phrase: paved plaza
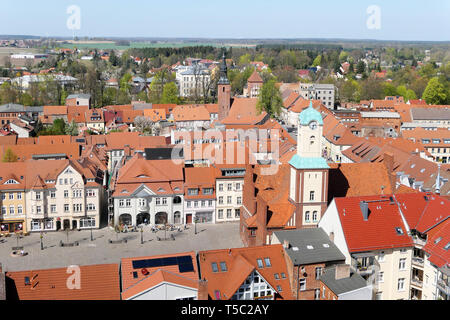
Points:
[[100, 251]]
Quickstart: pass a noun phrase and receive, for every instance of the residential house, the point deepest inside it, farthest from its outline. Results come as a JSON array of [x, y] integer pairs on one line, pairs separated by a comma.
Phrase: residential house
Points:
[[148, 191], [94, 282], [162, 277], [341, 283], [80, 99], [307, 253], [229, 185], [258, 273], [371, 233], [199, 195]]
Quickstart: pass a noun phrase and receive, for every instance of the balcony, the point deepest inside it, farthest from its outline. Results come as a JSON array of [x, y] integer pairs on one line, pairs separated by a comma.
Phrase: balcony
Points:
[[416, 281], [443, 286], [365, 271], [418, 261], [419, 241]]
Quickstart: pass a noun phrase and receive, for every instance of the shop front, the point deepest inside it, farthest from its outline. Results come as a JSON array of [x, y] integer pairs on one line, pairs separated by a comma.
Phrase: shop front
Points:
[[12, 226]]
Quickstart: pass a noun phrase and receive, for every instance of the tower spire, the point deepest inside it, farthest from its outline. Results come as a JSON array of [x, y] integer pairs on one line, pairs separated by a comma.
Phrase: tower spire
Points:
[[224, 71]]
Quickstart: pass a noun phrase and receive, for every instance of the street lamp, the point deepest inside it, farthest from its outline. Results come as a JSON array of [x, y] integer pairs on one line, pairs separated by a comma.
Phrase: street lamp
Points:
[[42, 243], [92, 237], [195, 223], [142, 235]]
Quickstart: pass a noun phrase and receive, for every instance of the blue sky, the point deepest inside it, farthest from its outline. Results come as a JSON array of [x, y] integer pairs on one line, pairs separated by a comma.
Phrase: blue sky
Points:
[[400, 19]]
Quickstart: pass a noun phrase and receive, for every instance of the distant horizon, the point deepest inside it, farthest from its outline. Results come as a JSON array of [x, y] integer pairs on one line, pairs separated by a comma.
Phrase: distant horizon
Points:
[[380, 20], [150, 38]]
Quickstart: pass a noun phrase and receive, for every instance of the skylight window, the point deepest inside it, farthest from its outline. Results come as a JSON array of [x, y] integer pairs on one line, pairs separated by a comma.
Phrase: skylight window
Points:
[[223, 267], [214, 266], [399, 231], [267, 262], [310, 247], [260, 263], [437, 240], [447, 246], [326, 245]]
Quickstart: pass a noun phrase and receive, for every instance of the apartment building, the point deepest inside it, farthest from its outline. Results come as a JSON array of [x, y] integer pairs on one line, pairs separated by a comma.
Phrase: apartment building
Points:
[[12, 198], [323, 92], [229, 185], [63, 194], [371, 234], [436, 142], [199, 195], [148, 191], [257, 273], [193, 80]]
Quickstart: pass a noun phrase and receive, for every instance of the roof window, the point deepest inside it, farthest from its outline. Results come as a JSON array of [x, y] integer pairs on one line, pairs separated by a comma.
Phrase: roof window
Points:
[[214, 266], [399, 231]]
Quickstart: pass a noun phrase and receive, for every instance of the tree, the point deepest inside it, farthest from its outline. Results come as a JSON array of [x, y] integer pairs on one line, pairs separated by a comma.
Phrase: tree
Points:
[[72, 129], [389, 89], [360, 67], [350, 91], [170, 93], [435, 92], [270, 99], [59, 127], [244, 60], [143, 124], [317, 61], [9, 156]]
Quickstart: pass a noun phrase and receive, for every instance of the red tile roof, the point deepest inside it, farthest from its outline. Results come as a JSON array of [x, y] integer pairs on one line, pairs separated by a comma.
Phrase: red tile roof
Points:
[[241, 262], [132, 286], [98, 282], [437, 239], [379, 231]]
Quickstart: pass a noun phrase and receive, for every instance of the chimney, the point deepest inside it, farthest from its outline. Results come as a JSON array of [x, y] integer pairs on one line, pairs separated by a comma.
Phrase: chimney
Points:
[[286, 244], [331, 237], [342, 271], [202, 293], [365, 210]]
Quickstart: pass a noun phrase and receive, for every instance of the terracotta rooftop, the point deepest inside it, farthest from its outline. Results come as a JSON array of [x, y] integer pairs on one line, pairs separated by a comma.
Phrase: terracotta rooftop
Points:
[[98, 282], [240, 263]]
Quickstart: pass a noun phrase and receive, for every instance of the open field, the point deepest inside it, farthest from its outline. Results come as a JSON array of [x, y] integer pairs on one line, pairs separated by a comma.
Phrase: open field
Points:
[[108, 45]]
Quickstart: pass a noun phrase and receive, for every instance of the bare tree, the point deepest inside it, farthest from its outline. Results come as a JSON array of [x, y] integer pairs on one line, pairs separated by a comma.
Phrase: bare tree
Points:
[[143, 124]]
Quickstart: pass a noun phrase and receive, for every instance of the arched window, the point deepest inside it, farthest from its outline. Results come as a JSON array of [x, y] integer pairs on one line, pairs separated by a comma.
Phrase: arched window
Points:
[[315, 216], [177, 217], [307, 216], [311, 196]]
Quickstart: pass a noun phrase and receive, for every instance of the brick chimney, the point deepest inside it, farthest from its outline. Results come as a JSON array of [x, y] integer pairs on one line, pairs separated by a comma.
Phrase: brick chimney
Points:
[[286, 244], [342, 271], [202, 290]]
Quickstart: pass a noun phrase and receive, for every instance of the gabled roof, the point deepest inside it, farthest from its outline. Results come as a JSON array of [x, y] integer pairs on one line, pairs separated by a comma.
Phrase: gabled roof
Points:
[[379, 231], [240, 263], [245, 111], [423, 211], [255, 78], [437, 241], [133, 284], [98, 282]]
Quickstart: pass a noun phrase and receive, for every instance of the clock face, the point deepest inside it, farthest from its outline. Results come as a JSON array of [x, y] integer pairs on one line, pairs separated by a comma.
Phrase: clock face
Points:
[[313, 125]]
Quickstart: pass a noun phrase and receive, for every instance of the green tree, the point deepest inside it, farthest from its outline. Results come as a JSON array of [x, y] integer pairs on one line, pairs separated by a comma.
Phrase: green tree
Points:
[[360, 67], [170, 93], [435, 92], [317, 61], [72, 129], [270, 99], [9, 156], [26, 99], [389, 89], [350, 91], [245, 60], [59, 127]]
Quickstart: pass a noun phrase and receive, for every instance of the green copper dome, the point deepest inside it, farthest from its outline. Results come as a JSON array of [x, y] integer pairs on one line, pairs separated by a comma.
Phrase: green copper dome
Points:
[[310, 114]]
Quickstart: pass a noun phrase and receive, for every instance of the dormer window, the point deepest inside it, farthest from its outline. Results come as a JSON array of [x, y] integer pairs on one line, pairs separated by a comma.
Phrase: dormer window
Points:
[[11, 181]]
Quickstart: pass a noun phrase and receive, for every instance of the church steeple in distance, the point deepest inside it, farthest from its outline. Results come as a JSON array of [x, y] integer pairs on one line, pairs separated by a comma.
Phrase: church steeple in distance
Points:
[[224, 71]]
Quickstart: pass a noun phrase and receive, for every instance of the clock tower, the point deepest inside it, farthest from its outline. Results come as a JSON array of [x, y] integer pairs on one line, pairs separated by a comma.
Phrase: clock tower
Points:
[[309, 171]]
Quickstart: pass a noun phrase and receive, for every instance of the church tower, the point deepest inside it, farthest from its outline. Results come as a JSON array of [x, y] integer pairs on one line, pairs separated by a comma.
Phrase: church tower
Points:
[[309, 171], [224, 91]]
